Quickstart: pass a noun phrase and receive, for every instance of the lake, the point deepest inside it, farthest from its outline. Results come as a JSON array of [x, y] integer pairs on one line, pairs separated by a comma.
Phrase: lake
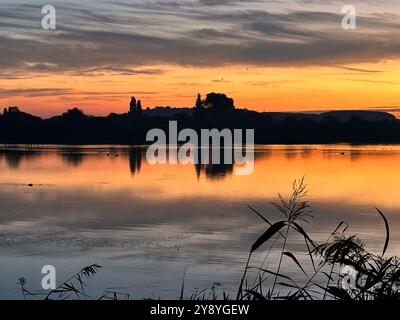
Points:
[[150, 226]]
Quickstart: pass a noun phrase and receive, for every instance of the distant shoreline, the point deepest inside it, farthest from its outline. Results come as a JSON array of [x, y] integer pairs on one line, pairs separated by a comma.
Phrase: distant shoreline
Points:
[[74, 127], [6, 146]]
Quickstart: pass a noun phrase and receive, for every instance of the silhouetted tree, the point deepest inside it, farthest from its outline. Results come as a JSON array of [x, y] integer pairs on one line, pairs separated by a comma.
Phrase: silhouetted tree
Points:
[[199, 103], [218, 102], [11, 110], [74, 113], [139, 107], [135, 106], [132, 105]]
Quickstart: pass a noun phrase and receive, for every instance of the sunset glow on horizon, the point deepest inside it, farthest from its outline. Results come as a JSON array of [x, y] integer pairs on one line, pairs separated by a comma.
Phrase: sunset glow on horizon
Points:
[[277, 89]]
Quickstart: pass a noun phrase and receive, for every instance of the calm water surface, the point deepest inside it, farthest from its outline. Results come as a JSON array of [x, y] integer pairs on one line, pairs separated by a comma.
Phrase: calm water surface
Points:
[[148, 226]]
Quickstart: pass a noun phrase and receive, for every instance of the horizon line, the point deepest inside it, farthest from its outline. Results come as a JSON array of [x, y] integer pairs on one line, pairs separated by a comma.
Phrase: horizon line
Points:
[[384, 109]]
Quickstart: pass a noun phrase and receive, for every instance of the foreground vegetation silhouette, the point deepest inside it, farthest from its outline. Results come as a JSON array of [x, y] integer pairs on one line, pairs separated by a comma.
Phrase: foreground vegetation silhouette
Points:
[[373, 277]]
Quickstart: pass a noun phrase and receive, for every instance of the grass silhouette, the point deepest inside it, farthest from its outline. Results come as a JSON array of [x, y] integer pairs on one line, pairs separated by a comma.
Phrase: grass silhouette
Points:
[[371, 276]]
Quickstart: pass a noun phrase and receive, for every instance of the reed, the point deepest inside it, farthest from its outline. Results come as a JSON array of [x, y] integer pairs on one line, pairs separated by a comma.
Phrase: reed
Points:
[[372, 276]]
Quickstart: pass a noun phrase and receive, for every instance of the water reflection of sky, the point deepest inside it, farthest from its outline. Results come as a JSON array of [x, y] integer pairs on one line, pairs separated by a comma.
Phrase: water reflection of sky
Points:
[[147, 224]]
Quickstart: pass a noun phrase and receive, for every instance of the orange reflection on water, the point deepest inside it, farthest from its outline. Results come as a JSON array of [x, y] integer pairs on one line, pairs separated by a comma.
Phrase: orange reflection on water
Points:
[[353, 174]]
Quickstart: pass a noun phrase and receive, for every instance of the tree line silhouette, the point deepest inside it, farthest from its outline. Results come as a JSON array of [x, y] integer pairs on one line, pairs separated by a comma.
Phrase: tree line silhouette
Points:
[[215, 111]]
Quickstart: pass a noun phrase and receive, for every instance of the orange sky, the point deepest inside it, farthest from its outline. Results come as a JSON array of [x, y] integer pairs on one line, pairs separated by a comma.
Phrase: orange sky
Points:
[[262, 89]]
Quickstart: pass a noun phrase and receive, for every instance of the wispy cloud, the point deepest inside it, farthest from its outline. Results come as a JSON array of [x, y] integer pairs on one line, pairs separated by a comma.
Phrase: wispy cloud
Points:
[[34, 92], [64, 92], [372, 81], [360, 69], [386, 109]]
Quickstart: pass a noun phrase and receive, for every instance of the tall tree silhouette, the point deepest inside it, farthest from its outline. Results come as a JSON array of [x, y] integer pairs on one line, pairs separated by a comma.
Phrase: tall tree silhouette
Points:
[[132, 105], [135, 106], [139, 107], [199, 103]]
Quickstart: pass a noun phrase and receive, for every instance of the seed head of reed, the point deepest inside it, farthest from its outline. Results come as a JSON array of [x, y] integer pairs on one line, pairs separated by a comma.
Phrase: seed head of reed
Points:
[[296, 208]]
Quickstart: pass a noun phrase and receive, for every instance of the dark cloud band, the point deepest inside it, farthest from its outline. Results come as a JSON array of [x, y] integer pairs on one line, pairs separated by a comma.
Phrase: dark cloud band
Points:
[[121, 38]]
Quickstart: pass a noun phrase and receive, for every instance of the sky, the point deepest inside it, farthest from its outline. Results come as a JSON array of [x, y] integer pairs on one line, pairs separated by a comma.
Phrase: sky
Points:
[[282, 55]]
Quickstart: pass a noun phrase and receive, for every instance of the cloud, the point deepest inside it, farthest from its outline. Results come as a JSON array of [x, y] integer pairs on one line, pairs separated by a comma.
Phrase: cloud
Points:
[[360, 69], [373, 81], [385, 109], [128, 38], [44, 92], [113, 70], [34, 92], [220, 81], [225, 2]]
